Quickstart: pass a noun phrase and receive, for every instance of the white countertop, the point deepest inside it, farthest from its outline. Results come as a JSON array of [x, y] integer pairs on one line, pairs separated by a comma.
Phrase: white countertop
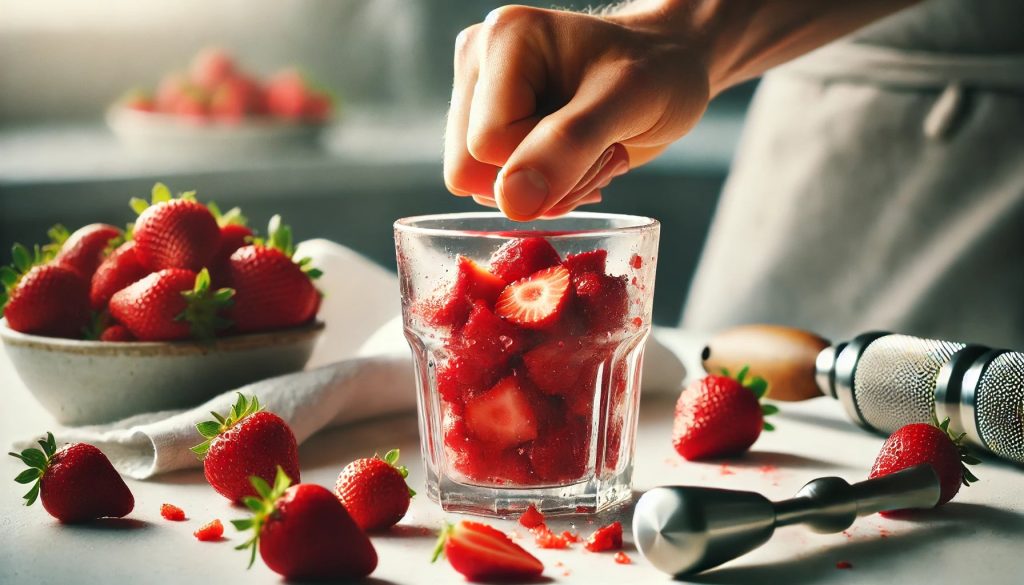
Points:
[[978, 538]]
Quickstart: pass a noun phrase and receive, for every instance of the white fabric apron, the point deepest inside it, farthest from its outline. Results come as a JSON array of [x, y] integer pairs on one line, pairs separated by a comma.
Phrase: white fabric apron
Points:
[[875, 189]]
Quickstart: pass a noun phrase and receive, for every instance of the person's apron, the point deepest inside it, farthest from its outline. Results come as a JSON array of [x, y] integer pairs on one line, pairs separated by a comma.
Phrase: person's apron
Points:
[[875, 189]]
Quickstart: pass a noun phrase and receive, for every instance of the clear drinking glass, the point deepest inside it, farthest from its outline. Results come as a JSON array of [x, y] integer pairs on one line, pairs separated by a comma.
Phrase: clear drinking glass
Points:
[[509, 415]]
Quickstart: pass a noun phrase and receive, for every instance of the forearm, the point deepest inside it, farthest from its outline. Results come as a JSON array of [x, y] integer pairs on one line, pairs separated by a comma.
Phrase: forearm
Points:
[[741, 39]]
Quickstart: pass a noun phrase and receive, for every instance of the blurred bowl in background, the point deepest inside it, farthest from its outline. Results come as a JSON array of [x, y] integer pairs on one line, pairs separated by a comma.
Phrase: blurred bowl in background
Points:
[[150, 133], [90, 382]]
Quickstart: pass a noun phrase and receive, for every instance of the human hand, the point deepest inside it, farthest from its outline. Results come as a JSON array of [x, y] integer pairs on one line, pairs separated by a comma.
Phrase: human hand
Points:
[[549, 106]]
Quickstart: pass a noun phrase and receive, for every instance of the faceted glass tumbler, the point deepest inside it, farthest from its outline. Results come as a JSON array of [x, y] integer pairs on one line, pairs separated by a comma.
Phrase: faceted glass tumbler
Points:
[[512, 413]]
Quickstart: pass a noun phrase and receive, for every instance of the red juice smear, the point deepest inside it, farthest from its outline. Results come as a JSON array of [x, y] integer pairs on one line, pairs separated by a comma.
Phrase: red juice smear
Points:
[[636, 261]]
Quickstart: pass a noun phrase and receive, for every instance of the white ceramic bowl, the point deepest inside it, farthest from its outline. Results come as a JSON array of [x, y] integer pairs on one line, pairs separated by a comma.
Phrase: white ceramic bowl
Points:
[[90, 382], [161, 135]]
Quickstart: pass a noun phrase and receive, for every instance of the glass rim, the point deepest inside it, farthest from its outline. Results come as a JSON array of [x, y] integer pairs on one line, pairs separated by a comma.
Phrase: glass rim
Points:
[[642, 224]]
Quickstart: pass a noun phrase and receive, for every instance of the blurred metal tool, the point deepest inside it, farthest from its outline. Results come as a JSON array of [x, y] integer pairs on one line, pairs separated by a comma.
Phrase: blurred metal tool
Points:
[[683, 530]]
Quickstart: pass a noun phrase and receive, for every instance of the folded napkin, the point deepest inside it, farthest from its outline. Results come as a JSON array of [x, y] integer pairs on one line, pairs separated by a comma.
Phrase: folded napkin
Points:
[[360, 369]]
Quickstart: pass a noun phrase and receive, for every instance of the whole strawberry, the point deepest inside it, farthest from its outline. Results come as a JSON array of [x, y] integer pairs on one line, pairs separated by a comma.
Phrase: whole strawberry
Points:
[[174, 233], [720, 416], [234, 233], [76, 482], [83, 250], [117, 271], [304, 533], [43, 299], [248, 442], [374, 491], [933, 444], [272, 291], [171, 304]]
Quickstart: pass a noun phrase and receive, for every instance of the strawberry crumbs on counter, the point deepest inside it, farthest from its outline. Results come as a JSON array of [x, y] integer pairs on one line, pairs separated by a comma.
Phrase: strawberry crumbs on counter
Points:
[[172, 513], [210, 532]]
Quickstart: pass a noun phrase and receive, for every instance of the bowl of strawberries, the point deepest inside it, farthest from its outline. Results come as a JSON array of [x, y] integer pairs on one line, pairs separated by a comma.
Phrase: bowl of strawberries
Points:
[[219, 108], [105, 323]]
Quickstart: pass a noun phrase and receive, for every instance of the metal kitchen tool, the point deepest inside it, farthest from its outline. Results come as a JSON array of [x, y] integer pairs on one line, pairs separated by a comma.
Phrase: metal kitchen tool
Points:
[[885, 381], [683, 530]]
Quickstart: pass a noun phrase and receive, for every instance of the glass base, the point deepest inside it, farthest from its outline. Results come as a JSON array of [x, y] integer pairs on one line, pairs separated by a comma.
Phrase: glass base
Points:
[[587, 497]]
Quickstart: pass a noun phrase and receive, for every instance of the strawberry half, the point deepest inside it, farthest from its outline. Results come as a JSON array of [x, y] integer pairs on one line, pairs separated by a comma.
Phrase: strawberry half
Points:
[[933, 444], [374, 491], [248, 442], [171, 304], [304, 533], [174, 233], [591, 261], [537, 301], [482, 553], [522, 257], [720, 416], [504, 415], [76, 482], [43, 299], [472, 283]]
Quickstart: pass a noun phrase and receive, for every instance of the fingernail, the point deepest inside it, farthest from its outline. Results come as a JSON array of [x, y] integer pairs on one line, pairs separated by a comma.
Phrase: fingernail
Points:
[[620, 169], [524, 192]]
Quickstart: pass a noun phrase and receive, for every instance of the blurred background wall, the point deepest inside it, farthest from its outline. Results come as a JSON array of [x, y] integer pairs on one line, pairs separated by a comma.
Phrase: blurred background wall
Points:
[[63, 62]]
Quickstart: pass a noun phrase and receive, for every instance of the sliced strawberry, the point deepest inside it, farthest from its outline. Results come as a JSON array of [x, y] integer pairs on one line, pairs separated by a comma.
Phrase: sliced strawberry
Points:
[[604, 300], [472, 282], [592, 261], [504, 415], [522, 257], [560, 452], [482, 553], [487, 339], [479, 461], [531, 518], [537, 301], [562, 365], [210, 532], [605, 538]]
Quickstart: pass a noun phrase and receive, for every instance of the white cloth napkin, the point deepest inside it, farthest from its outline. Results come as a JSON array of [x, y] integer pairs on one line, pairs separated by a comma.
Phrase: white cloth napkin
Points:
[[360, 369]]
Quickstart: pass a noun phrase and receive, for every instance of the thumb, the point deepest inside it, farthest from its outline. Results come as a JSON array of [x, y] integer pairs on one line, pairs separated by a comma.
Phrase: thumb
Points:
[[558, 153]]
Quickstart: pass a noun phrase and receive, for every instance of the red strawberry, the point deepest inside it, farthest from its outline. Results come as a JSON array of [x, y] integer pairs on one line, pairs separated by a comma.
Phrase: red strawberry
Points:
[[287, 95], [234, 234], [532, 518], [272, 291], [522, 257], [83, 250], [603, 299], [119, 270], [171, 89], [482, 553], [43, 299], [318, 107], [193, 106], [235, 98], [117, 332], [210, 532], [76, 482], [566, 366], [560, 453], [210, 67], [484, 346], [592, 261], [472, 282], [304, 533], [719, 416], [174, 233], [138, 100], [933, 444], [172, 513], [504, 415], [374, 491], [605, 538], [171, 304], [537, 301], [248, 442]]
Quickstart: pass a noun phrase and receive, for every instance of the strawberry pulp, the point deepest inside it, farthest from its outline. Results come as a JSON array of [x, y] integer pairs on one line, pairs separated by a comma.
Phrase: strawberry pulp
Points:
[[531, 372]]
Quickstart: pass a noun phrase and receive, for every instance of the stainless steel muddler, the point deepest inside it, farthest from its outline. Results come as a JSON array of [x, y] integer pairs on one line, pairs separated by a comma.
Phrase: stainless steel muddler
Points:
[[683, 530]]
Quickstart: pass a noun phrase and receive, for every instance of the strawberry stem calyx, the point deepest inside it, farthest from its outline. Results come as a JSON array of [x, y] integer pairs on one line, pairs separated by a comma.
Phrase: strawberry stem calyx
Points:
[[204, 307], [263, 508], [442, 539], [279, 237], [391, 458], [759, 387], [38, 461], [212, 429], [966, 458], [232, 216], [159, 194]]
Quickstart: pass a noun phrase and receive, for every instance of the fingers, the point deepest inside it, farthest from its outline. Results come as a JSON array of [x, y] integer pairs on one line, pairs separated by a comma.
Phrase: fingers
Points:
[[560, 150], [463, 174]]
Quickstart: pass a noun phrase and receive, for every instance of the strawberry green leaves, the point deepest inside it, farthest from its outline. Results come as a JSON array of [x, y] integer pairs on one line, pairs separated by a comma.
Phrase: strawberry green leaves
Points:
[[757, 385], [22, 260], [159, 194], [966, 458], [205, 306], [280, 238], [232, 216], [210, 430], [391, 458], [262, 507], [37, 461]]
